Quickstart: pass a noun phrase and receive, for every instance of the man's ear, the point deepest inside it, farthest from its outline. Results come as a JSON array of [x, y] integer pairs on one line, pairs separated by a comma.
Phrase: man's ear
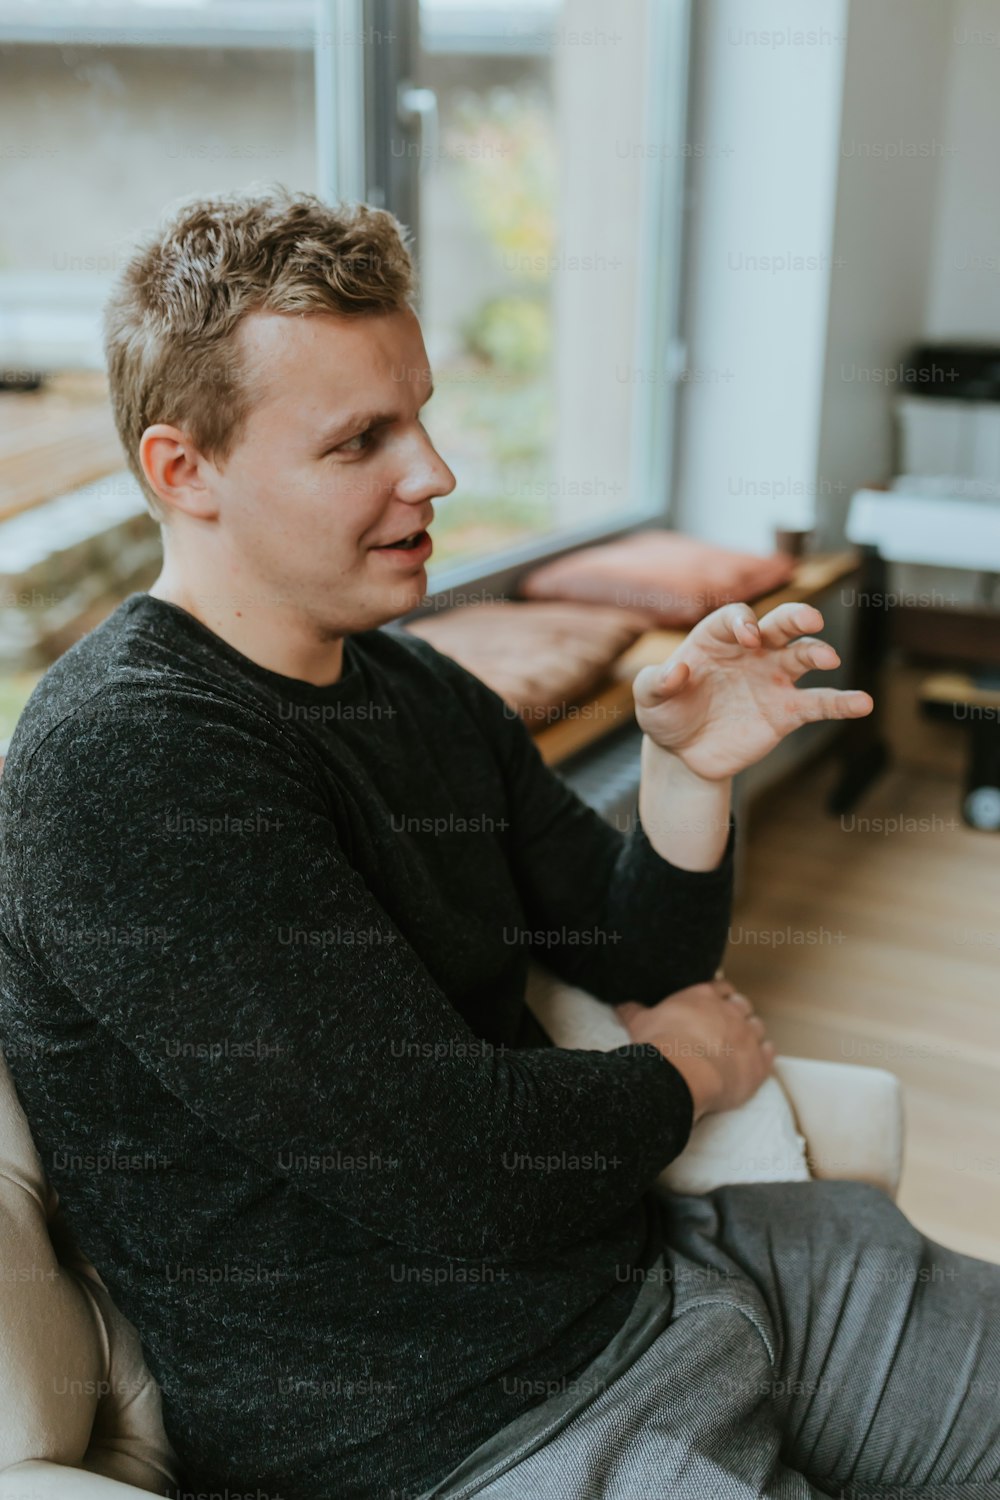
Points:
[[176, 471]]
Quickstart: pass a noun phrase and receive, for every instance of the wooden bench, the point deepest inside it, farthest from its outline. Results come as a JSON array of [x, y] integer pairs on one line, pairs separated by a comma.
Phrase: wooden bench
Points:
[[613, 704], [55, 440]]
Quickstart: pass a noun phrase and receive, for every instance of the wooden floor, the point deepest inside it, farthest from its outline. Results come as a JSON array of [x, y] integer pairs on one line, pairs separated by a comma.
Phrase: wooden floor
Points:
[[875, 939]]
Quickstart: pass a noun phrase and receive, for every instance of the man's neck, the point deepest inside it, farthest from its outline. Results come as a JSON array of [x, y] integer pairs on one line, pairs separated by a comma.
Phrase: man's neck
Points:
[[276, 641]]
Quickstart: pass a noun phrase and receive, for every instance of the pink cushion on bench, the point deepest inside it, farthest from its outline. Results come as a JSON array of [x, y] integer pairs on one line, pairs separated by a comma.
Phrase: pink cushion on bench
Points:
[[676, 579], [540, 658]]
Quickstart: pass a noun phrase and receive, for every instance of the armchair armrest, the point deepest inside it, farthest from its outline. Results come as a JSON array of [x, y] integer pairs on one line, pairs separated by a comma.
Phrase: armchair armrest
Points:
[[851, 1117], [39, 1480]]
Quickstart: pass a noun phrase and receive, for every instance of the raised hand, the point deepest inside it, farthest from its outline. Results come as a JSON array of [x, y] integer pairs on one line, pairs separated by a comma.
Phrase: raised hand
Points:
[[728, 696]]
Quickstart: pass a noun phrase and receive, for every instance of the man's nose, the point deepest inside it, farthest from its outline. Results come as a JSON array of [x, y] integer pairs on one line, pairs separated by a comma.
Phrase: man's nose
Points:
[[427, 475]]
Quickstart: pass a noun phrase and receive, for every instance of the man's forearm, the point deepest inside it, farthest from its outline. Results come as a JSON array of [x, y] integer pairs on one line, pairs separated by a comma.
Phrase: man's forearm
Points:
[[685, 817]]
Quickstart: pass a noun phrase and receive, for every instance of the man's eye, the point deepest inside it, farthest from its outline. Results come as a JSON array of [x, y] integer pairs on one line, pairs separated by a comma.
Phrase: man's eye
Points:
[[357, 444]]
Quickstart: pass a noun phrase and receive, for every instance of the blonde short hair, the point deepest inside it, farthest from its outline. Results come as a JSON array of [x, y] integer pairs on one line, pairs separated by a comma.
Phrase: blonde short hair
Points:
[[171, 319]]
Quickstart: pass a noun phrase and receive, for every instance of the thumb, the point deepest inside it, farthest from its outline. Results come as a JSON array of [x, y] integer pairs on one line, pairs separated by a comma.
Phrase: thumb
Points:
[[627, 1010], [654, 684]]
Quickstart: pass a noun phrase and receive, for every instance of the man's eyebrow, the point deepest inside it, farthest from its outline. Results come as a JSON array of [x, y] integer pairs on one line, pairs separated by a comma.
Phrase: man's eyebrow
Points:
[[360, 421]]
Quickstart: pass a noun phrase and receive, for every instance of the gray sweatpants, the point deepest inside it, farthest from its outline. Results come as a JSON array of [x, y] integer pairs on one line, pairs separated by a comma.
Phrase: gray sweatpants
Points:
[[806, 1340]]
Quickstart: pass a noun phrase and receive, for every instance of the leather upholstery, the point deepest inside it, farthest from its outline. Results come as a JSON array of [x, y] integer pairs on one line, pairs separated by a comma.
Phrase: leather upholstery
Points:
[[80, 1410]]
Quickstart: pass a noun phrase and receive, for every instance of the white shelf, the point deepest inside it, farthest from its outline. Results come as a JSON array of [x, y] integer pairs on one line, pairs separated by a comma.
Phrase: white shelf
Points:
[[944, 532]]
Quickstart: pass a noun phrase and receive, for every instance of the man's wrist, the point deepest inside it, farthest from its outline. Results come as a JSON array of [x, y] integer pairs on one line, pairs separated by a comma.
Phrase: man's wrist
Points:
[[673, 766], [685, 816], [701, 1077]]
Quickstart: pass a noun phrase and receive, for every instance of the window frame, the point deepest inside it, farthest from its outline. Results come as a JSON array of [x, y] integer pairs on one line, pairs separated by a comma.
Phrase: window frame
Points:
[[658, 333], [355, 93]]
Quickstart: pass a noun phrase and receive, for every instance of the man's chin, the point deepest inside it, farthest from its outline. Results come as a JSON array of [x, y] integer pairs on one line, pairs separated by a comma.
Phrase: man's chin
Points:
[[399, 596]]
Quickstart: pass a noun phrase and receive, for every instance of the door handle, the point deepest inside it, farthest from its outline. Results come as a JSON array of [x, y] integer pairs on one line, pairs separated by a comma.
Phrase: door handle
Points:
[[418, 108]]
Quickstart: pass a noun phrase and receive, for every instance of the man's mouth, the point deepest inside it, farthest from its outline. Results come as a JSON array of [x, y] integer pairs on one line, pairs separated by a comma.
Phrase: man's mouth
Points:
[[405, 544]]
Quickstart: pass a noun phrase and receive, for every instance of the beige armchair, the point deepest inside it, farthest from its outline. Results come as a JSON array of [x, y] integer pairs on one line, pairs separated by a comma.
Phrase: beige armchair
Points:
[[80, 1415]]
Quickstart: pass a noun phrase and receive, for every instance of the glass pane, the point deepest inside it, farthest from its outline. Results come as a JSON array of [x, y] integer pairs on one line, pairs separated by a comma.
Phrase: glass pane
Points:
[[531, 209], [109, 112]]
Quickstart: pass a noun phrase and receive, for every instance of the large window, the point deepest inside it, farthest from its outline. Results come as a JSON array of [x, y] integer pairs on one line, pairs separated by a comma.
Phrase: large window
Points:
[[534, 147]]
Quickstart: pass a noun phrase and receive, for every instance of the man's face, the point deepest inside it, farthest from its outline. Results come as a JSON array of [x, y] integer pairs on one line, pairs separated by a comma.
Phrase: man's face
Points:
[[333, 461]]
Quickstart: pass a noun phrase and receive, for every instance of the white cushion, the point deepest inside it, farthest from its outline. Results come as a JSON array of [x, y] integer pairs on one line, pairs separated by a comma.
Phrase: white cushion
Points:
[[759, 1142]]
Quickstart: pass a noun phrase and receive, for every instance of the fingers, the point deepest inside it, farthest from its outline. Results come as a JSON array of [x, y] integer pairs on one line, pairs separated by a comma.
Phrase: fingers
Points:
[[744, 625], [655, 684], [756, 1025], [808, 655], [784, 624], [741, 1003], [753, 1020], [732, 623], [780, 626], [813, 704], [738, 623]]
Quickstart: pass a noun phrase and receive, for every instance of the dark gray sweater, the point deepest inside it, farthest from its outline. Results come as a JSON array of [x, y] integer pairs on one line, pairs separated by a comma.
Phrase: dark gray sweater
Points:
[[262, 961]]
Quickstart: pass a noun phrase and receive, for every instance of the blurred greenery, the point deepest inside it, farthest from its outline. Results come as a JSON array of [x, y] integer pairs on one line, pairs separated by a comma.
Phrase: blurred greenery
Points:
[[475, 524], [493, 420], [493, 429], [510, 180], [513, 333], [510, 185]]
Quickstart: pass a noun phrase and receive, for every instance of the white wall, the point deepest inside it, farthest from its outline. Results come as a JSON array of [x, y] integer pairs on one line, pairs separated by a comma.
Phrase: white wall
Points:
[[894, 145], [767, 86], [965, 289], [868, 141]]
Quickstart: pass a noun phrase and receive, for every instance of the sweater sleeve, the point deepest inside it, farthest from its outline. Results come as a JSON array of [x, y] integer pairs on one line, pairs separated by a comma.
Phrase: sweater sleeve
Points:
[[605, 911], [190, 893]]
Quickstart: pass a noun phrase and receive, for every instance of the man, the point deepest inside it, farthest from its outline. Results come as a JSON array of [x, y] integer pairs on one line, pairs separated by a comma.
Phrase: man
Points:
[[379, 1237]]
